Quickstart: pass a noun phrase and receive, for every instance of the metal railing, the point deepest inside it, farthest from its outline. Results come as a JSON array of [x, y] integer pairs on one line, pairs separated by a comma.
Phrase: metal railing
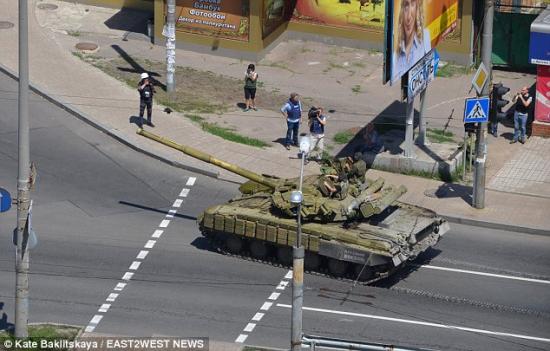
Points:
[[340, 344]]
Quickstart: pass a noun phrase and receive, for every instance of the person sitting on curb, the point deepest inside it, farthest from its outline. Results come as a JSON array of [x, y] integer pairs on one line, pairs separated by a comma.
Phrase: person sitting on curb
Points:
[[373, 142]]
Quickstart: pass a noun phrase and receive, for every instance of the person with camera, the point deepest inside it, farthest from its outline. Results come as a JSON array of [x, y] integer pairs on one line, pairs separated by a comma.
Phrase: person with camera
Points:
[[523, 101], [317, 122], [250, 80], [146, 90]]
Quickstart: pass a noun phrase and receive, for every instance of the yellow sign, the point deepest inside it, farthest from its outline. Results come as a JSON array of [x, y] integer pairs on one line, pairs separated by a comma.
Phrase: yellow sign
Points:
[[480, 78]]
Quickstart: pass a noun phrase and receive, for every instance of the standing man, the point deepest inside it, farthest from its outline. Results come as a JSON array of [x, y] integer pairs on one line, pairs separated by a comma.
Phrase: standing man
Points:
[[292, 112], [146, 91], [523, 101], [317, 122]]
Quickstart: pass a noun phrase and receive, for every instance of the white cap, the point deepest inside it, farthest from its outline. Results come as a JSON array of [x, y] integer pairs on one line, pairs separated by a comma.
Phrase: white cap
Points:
[[144, 75]]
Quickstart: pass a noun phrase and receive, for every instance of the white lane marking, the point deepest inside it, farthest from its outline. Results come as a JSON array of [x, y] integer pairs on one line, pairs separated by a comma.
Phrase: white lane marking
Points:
[[127, 276], [104, 308], [428, 324], [164, 223], [150, 244], [274, 296], [171, 214], [241, 338], [120, 286], [249, 327], [89, 329], [288, 275], [142, 254], [191, 181], [282, 285], [177, 203], [134, 266], [266, 306], [258, 317], [96, 319], [112, 297], [486, 274], [184, 193], [157, 233]]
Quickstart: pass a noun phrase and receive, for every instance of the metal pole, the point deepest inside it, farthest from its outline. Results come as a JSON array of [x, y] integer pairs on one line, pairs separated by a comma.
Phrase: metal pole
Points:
[[464, 153], [421, 139], [409, 131], [21, 253], [171, 46], [298, 277], [478, 200]]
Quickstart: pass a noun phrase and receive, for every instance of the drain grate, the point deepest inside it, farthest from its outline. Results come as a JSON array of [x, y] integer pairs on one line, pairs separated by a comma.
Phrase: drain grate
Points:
[[47, 6], [87, 46], [6, 25]]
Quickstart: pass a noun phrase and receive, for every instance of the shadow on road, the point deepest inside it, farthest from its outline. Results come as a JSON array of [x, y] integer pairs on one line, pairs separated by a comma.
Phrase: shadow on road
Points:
[[156, 210], [4, 324]]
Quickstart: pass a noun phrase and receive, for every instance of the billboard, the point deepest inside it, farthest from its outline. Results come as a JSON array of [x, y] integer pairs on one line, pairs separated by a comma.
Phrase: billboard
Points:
[[521, 6], [353, 14], [542, 101], [413, 28], [228, 19]]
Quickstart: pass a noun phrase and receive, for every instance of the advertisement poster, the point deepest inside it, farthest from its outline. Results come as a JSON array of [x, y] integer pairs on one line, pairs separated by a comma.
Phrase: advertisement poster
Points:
[[228, 19], [417, 27], [355, 14], [275, 13], [542, 102]]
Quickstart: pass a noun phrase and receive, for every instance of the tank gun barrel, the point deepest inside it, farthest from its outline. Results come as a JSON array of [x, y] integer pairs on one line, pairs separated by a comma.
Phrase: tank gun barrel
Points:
[[208, 158]]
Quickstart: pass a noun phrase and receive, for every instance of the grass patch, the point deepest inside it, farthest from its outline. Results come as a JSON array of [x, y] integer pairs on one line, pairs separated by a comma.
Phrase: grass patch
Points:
[[230, 135], [44, 332], [358, 64], [73, 33], [452, 70], [194, 118], [356, 89], [343, 137], [440, 136]]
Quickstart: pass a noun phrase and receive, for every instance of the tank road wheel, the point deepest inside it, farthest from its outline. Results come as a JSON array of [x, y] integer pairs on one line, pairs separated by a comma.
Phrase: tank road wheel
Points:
[[312, 261], [363, 274], [284, 255], [337, 268], [234, 244], [259, 249]]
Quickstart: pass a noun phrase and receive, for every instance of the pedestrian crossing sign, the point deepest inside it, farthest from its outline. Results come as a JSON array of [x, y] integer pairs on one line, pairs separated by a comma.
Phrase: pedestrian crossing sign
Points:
[[476, 110]]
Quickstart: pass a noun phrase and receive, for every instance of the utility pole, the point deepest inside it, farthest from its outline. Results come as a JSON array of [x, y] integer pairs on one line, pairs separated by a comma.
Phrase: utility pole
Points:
[[23, 181], [170, 46], [478, 200]]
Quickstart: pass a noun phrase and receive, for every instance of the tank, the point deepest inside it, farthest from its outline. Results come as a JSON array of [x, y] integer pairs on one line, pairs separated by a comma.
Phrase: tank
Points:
[[352, 226]]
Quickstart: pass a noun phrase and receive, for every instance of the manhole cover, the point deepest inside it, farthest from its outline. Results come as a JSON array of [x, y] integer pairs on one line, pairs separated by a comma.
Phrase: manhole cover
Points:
[[90, 47], [6, 25], [47, 7]]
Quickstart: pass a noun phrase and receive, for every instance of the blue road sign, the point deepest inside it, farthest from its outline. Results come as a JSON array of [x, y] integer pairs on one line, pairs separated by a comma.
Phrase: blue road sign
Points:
[[5, 200], [476, 110]]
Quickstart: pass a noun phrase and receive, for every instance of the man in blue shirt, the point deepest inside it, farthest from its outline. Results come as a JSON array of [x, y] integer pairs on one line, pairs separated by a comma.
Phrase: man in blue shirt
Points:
[[292, 112], [317, 122]]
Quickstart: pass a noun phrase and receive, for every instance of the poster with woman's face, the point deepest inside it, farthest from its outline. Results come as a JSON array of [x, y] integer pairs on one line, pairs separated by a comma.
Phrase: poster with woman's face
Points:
[[355, 14], [418, 26]]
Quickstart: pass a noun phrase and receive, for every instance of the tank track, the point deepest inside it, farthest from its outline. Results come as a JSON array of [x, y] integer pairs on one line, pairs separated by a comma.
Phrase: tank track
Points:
[[271, 260]]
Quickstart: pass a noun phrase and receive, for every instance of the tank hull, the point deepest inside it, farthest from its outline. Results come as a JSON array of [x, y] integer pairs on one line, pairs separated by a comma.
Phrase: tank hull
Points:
[[377, 246]]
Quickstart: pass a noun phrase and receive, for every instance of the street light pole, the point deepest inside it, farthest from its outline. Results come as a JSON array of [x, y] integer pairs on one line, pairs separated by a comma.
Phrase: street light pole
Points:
[[23, 184], [298, 254], [478, 198]]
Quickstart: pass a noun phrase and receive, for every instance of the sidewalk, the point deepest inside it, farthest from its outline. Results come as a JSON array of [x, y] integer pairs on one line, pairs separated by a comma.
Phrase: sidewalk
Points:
[[64, 78]]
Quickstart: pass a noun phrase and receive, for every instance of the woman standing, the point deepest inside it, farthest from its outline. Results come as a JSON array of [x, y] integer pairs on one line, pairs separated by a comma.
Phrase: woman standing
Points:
[[250, 80]]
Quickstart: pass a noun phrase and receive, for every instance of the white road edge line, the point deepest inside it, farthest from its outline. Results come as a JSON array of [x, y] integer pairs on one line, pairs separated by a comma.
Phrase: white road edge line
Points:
[[127, 276], [134, 266], [157, 233], [266, 306], [274, 296], [241, 338], [150, 244], [104, 308], [120, 286], [191, 181], [486, 274], [184, 192], [288, 274], [164, 223], [177, 203], [142, 254], [428, 324], [258, 317], [249, 327], [112, 297]]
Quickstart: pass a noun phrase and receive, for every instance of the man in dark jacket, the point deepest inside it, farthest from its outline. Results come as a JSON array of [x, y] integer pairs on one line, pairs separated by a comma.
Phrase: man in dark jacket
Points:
[[146, 91]]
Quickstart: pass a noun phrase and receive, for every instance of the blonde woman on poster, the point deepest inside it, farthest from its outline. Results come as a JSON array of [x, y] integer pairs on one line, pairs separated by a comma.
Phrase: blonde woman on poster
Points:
[[413, 40]]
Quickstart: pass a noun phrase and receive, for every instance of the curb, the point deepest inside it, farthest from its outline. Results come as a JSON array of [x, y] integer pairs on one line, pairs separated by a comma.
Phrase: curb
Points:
[[106, 129], [495, 225]]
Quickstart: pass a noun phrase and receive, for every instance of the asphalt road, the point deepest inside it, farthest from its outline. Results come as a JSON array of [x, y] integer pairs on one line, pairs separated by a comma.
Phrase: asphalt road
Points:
[[98, 206]]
